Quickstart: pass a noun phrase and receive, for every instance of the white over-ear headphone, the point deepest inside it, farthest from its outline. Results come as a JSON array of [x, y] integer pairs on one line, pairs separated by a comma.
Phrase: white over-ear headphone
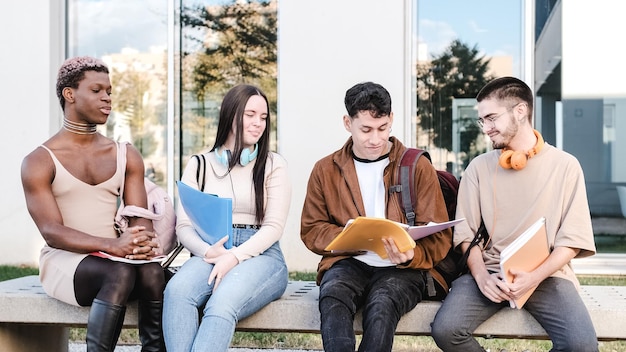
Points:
[[245, 159]]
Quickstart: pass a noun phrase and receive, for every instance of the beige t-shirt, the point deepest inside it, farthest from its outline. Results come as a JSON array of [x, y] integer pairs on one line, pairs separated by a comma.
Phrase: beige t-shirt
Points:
[[551, 185]]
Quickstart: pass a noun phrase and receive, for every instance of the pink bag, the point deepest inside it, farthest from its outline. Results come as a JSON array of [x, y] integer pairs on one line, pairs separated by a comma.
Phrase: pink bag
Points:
[[160, 211]]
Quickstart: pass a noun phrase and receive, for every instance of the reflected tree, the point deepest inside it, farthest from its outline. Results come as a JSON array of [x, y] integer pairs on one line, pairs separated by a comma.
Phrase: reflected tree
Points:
[[459, 72], [131, 93], [226, 45]]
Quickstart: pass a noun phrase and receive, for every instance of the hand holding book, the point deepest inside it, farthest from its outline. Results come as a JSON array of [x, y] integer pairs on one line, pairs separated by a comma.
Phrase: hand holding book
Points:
[[526, 253], [366, 233]]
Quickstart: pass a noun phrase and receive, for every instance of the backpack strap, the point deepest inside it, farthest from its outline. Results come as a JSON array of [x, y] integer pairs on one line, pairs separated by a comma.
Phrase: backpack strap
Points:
[[200, 177], [121, 154], [201, 171], [481, 236], [406, 177]]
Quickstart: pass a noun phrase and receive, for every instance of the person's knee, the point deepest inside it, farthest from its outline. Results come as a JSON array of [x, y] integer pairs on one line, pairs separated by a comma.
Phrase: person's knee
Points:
[[330, 301], [223, 310], [443, 329], [174, 290], [336, 296], [152, 271], [151, 282], [122, 276], [121, 272], [118, 283], [337, 290]]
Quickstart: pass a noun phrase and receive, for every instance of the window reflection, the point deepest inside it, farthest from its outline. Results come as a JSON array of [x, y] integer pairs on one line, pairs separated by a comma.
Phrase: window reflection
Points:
[[223, 45], [460, 48], [131, 37]]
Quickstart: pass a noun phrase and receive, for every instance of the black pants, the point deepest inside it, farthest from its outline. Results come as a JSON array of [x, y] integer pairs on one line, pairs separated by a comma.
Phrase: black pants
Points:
[[384, 293]]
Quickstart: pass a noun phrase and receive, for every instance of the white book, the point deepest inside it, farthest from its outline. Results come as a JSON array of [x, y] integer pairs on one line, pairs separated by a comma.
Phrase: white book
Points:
[[105, 255]]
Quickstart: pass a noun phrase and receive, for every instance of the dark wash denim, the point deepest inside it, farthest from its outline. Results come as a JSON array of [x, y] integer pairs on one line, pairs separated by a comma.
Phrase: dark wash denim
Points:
[[555, 304], [384, 293]]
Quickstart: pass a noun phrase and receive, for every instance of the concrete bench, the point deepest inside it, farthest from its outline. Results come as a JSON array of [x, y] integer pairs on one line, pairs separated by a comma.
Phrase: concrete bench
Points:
[[32, 321]]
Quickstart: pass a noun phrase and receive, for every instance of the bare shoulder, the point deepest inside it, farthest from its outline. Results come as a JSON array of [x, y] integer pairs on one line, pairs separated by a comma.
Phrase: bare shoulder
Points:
[[37, 168], [39, 158], [134, 158], [132, 152]]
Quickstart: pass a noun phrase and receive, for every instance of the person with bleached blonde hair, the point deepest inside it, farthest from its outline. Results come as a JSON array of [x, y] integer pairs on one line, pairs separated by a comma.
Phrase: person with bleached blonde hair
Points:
[[72, 184]]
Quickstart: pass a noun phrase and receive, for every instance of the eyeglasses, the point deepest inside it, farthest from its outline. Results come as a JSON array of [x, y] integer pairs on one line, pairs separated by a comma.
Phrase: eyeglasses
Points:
[[481, 122]]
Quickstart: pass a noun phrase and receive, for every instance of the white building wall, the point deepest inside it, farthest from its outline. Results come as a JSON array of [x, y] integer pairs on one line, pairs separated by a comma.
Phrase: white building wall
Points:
[[592, 68], [592, 53], [325, 47], [30, 56]]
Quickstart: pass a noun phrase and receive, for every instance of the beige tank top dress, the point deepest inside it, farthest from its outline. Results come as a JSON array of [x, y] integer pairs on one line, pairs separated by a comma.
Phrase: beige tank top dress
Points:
[[88, 208]]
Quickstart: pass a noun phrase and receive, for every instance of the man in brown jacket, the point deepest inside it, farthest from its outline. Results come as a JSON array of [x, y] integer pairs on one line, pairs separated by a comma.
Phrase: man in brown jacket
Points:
[[354, 181]]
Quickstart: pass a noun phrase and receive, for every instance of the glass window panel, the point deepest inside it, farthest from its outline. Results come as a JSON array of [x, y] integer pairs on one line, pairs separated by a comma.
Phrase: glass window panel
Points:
[[224, 43], [460, 48], [614, 133], [131, 37]]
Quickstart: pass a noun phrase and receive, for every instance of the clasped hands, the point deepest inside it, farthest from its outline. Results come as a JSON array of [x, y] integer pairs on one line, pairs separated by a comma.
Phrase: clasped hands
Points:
[[138, 243], [493, 286]]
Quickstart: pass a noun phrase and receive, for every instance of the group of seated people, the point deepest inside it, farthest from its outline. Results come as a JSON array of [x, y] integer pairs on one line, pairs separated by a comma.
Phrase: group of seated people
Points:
[[73, 182]]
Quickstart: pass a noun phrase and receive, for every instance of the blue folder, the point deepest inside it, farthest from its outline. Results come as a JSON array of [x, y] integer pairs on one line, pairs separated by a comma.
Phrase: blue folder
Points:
[[211, 216]]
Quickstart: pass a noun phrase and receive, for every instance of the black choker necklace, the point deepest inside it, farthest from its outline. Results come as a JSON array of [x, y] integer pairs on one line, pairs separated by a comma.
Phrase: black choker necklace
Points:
[[79, 128]]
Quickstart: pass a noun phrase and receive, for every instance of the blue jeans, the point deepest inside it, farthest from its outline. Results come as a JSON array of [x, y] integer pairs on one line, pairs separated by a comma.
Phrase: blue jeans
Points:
[[555, 304], [248, 287], [384, 293]]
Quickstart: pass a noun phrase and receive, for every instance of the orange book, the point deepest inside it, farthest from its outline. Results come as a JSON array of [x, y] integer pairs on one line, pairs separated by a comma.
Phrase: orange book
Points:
[[526, 253], [366, 233]]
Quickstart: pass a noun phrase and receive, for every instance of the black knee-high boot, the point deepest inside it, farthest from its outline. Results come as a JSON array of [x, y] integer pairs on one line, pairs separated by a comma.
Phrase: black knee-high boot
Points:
[[150, 329], [104, 326]]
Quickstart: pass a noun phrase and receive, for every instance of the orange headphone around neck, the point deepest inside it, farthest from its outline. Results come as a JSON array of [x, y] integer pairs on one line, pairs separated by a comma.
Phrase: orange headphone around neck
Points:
[[516, 159]]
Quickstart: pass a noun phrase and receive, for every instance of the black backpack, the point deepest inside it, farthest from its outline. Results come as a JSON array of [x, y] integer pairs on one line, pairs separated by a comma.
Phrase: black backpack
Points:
[[439, 279]]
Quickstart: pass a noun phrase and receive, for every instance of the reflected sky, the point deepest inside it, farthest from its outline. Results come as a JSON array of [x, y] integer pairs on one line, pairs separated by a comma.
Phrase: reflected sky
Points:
[[107, 26], [494, 25], [101, 27]]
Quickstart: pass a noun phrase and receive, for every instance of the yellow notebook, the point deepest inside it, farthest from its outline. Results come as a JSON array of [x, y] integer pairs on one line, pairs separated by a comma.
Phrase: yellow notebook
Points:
[[366, 233]]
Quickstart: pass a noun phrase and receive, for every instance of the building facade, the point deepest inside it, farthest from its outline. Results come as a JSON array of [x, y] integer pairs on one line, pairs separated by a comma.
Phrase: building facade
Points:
[[322, 48]]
